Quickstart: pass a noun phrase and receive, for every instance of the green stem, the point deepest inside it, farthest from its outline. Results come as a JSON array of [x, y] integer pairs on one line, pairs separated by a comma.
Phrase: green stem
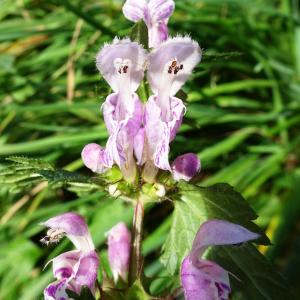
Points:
[[136, 260]]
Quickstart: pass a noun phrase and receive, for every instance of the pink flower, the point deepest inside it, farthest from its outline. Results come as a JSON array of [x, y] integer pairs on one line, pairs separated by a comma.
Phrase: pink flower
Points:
[[119, 245], [170, 65], [122, 64], [155, 14], [72, 269], [205, 280]]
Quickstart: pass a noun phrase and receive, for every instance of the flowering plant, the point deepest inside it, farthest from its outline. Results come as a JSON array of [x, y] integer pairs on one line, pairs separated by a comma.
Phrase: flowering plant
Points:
[[208, 253]]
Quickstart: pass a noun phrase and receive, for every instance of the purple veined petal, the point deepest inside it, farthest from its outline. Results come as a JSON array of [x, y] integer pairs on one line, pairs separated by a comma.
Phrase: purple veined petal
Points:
[[122, 64], [177, 111], [207, 281], [94, 157], [161, 10], [132, 114], [161, 131], [219, 232], [158, 135], [171, 64], [56, 291], [157, 33], [138, 146], [85, 271], [63, 264], [74, 226], [135, 10], [123, 131], [119, 245], [185, 167]]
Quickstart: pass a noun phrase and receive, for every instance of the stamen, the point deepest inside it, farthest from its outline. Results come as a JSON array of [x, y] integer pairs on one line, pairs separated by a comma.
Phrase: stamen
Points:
[[53, 236], [174, 67], [122, 65]]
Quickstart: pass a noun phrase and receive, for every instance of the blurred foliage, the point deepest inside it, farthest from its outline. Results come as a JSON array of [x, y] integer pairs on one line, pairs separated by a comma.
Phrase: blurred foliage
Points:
[[243, 120]]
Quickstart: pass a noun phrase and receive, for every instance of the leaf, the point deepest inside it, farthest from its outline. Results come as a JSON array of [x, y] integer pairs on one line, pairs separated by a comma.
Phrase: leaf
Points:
[[61, 177], [30, 162], [193, 206], [197, 205], [85, 294], [25, 172], [139, 33], [257, 278], [137, 292]]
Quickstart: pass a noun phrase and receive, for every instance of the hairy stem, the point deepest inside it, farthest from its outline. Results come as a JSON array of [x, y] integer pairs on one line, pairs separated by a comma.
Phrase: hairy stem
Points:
[[136, 259]]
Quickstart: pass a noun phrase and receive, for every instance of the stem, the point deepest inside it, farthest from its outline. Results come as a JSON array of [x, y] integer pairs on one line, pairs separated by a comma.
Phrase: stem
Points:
[[99, 288], [136, 259]]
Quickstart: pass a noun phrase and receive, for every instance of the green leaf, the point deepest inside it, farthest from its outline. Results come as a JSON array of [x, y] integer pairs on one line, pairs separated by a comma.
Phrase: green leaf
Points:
[[139, 33], [197, 205], [193, 206], [25, 172], [257, 278], [137, 292]]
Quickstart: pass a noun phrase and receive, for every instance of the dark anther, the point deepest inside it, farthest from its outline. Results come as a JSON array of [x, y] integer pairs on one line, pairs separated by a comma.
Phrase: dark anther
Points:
[[181, 67], [174, 64]]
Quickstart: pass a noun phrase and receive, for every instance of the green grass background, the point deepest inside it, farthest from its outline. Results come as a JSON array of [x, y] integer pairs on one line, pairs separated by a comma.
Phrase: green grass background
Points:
[[243, 120]]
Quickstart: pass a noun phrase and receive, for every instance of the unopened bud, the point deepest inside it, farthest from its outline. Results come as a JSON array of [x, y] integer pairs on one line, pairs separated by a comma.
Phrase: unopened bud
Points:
[[185, 167], [119, 245]]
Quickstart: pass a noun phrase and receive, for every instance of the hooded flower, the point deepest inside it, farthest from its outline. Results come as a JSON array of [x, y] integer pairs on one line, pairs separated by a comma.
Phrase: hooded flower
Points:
[[169, 67], [72, 269], [119, 244], [122, 65], [155, 13], [205, 280], [185, 167]]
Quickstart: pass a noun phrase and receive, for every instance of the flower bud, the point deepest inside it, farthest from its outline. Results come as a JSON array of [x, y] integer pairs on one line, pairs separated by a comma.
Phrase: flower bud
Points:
[[113, 190], [185, 167], [93, 156], [119, 245]]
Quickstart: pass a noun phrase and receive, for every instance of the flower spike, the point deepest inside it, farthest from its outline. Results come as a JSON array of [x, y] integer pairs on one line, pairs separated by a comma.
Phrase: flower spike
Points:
[[122, 64], [169, 67]]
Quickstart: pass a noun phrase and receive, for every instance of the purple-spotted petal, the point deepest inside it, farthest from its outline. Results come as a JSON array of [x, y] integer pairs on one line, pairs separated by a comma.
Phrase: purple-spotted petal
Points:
[[74, 226], [185, 167], [56, 291], [206, 281], [119, 241], [94, 157], [171, 64], [63, 264], [85, 271], [219, 232], [122, 64]]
